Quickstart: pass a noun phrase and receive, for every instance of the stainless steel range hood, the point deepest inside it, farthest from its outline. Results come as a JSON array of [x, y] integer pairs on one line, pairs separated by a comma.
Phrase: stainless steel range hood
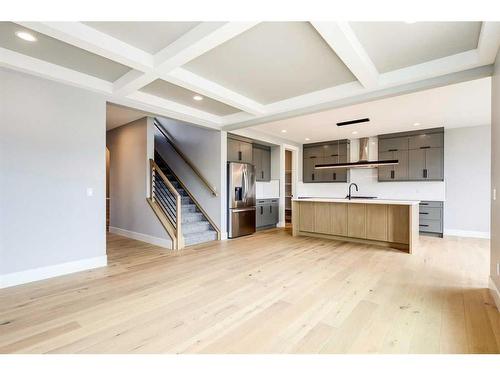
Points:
[[364, 159]]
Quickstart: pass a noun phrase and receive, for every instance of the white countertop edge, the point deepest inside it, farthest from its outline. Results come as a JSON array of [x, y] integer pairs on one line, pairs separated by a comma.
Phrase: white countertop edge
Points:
[[369, 201]]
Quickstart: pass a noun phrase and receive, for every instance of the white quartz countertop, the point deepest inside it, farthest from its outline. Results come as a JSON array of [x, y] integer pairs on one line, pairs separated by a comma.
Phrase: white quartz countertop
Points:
[[368, 201]]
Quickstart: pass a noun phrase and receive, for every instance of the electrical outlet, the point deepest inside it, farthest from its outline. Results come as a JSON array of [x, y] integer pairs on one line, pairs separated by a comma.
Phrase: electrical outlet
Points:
[[90, 192]]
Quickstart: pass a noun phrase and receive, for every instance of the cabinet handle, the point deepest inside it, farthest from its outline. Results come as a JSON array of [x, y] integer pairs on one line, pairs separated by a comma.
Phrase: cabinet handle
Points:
[[262, 173], [424, 147], [334, 176], [425, 173], [335, 155], [312, 176], [261, 210], [271, 209], [313, 157], [424, 213], [239, 155], [423, 225], [393, 149], [392, 174], [424, 204]]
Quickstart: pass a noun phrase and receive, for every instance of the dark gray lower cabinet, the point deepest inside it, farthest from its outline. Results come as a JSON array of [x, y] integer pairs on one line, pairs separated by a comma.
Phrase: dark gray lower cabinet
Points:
[[267, 213], [431, 218]]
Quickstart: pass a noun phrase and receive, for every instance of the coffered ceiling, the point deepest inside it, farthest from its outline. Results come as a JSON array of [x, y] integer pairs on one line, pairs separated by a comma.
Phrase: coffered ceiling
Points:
[[249, 73]]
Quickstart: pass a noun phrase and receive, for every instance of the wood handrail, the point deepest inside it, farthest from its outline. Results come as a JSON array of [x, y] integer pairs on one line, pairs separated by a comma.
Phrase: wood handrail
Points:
[[186, 159], [155, 167]]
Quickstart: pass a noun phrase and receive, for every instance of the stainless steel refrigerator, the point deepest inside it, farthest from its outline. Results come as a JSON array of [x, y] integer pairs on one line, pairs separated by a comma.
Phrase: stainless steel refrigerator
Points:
[[241, 199]]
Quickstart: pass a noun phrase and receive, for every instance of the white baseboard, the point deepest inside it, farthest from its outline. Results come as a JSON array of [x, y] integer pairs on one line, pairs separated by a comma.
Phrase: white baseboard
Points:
[[162, 242], [281, 224], [41, 273], [494, 293], [223, 236], [466, 233]]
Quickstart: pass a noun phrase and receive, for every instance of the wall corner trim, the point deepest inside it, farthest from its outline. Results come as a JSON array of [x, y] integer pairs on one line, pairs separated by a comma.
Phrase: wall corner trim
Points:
[[494, 293], [42, 273], [162, 242]]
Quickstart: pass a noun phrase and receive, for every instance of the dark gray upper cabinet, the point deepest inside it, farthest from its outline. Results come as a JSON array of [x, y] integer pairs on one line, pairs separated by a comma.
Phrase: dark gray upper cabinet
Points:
[[332, 152], [398, 172], [420, 155], [392, 144], [239, 151], [433, 140], [262, 162], [426, 164]]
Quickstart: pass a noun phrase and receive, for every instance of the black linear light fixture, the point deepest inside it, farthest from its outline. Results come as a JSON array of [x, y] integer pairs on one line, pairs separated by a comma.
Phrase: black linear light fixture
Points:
[[352, 122]]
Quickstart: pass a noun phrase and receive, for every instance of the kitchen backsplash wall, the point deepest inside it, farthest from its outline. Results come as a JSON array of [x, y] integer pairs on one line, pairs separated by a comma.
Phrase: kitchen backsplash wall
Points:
[[265, 190], [367, 181]]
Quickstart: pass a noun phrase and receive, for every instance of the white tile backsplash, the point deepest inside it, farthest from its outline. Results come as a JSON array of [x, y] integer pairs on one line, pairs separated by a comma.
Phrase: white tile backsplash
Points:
[[265, 190]]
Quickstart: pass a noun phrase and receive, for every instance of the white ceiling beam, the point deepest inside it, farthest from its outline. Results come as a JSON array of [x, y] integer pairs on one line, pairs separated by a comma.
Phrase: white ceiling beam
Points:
[[176, 109], [198, 41], [194, 43], [85, 37], [446, 65], [184, 78], [342, 39], [132, 81], [41, 68], [489, 42]]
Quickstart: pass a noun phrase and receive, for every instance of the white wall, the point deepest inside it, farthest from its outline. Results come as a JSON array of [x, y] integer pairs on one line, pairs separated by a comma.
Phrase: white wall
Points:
[[52, 149], [465, 189], [467, 166], [130, 148], [203, 147], [495, 181]]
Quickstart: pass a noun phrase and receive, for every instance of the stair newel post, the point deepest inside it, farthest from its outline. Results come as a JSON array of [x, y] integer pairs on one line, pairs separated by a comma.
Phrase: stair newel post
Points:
[[178, 219], [151, 171]]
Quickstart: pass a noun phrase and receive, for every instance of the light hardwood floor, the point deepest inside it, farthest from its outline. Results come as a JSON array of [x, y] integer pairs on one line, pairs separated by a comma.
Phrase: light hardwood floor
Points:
[[267, 293]]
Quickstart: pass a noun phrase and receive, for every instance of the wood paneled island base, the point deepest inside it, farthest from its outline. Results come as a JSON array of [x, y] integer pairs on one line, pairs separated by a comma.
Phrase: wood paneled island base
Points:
[[390, 223]]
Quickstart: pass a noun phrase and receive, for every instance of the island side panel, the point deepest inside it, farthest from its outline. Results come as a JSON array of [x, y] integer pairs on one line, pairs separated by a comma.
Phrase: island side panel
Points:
[[414, 227]]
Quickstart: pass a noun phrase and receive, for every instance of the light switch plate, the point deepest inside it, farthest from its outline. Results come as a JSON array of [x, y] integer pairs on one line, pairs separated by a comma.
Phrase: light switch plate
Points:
[[90, 192]]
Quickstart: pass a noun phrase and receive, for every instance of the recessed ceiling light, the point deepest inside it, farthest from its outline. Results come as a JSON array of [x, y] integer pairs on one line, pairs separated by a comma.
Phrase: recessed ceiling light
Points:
[[283, 131], [416, 124], [308, 139], [26, 36], [198, 98], [354, 132]]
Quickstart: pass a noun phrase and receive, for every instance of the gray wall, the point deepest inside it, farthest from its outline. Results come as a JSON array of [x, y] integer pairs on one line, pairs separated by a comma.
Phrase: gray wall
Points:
[[203, 147], [130, 147], [467, 161], [52, 148], [495, 173]]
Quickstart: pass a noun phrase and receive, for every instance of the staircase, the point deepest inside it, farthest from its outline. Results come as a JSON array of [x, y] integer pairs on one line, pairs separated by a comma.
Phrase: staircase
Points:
[[196, 228]]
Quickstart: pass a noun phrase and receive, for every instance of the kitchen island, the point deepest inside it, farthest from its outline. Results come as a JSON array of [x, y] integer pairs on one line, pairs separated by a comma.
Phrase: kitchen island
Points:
[[384, 222]]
